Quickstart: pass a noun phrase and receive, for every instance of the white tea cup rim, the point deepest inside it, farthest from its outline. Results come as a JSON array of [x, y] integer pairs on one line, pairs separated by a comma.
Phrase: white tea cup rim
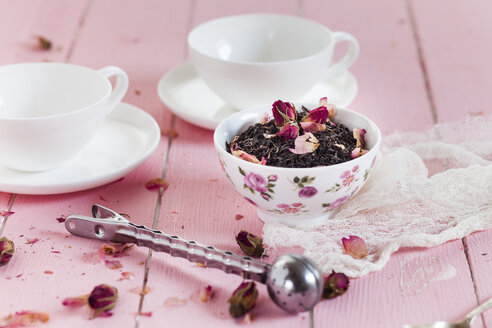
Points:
[[192, 42], [58, 115]]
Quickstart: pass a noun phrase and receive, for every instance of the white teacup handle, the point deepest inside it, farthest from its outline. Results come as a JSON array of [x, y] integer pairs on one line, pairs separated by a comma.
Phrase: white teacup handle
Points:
[[350, 56], [121, 86]]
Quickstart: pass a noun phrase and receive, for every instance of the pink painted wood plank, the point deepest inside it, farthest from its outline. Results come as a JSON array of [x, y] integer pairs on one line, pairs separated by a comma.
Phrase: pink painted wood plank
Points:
[[391, 85], [457, 56], [457, 46], [142, 41], [23, 21]]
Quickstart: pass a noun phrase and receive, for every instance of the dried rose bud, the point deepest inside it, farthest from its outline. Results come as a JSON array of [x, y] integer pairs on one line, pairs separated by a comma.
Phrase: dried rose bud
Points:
[[283, 113], [102, 299], [289, 131], [6, 250], [336, 284], [243, 299], [250, 244]]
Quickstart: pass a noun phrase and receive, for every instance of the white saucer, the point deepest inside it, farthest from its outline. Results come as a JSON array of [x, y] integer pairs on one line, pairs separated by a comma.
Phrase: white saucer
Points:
[[128, 136], [187, 95]]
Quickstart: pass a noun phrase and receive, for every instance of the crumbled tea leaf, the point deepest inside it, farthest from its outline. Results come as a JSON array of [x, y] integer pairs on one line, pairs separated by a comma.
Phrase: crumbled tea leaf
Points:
[[44, 43], [336, 141]]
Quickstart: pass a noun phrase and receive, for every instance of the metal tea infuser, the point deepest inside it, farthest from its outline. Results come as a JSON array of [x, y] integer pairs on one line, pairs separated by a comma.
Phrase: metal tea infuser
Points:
[[293, 281]]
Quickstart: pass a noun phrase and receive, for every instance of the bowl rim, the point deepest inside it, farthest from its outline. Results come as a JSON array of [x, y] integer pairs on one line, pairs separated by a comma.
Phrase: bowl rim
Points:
[[266, 109], [193, 48]]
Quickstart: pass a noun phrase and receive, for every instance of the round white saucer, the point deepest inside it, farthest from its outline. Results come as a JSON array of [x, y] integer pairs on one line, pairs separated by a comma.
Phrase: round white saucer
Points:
[[187, 95], [128, 136]]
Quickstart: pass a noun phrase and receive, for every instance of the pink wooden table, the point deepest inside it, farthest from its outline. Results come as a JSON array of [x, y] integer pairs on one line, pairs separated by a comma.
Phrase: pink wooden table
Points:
[[421, 62]]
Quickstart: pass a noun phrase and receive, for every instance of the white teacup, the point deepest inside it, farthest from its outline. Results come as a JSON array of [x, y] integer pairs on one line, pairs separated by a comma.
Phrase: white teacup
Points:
[[251, 60], [50, 111]]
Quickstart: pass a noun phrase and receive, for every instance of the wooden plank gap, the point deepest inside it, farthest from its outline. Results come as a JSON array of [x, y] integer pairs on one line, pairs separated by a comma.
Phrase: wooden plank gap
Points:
[[467, 256], [423, 67], [9, 208], [189, 25], [79, 28]]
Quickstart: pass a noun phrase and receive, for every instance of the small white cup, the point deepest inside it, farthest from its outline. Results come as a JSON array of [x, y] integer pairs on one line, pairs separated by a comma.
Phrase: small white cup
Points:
[[50, 111], [251, 60]]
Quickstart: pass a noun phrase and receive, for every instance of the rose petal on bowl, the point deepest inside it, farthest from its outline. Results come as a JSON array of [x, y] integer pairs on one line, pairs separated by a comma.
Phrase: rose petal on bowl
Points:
[[355, 247], [330, 107], [248, 157], [359, 137], [317, 115], [313, 126], [307, 143]]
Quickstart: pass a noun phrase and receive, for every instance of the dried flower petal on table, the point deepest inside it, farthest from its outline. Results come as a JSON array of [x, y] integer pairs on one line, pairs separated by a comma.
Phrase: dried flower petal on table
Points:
[[248, 318], [44, 43], [156, 183], [250, 244], [336, 284], [243, 299], [307, 143], [145, 314], [170, 133], [102, 299], [106, 250], [174, 302], [113, 264], [7, 250], [126, 276], [289, 131], [31, 241], [24, 319], [200, 265], [61, 219], [283, 113], [239, 217], [77, 301], [355, 247], [6, 213], [141, 291], [206, 294]]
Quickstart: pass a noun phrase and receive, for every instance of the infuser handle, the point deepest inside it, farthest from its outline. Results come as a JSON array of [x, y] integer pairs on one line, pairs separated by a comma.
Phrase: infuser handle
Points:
[[111, 226]]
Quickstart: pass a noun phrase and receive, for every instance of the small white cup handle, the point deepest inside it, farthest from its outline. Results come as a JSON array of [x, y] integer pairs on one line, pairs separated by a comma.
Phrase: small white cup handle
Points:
[[121, 86], [350, 56]]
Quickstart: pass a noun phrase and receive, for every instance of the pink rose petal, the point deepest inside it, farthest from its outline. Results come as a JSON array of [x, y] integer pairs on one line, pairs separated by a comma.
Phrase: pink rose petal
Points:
[[141, 291], [355, 247], [6, 213], [156, 184], [145, 314], [248, 157], [31, 241], [317, 115], [75, 301], [127, 276], [113, 264], [307, 143], [206, 294], [24, 319], [313, 127], [330, 107], [359, 137], [174, 302]]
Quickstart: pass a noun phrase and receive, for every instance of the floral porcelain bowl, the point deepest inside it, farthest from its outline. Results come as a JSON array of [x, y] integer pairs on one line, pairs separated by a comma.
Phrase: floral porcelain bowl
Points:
[[296, 196]]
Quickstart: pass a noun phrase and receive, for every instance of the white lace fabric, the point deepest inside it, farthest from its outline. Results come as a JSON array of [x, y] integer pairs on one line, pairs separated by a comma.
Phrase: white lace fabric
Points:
[[426, 188]]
